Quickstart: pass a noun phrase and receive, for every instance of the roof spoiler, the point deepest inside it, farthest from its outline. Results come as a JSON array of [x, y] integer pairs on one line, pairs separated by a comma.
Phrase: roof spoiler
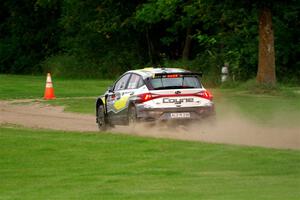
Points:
[[179, 73]]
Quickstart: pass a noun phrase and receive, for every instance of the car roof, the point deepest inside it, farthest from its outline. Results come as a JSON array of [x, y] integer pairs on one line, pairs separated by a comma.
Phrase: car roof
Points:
[[150, 72]]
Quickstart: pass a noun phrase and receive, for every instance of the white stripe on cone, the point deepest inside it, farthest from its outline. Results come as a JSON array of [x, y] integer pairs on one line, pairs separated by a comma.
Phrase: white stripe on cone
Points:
[[49, 81]]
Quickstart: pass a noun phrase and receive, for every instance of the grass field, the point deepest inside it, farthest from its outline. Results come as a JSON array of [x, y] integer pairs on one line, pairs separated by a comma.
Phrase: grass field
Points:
[[27, 87], [41, 164], [36, 164]]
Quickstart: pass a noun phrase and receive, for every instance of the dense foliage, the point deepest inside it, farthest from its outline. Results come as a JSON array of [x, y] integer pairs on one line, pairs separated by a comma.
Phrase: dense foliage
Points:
[[94, 38]]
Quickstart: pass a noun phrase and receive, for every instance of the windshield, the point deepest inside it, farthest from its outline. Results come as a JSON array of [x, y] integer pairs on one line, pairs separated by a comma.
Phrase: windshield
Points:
[[175, 83]]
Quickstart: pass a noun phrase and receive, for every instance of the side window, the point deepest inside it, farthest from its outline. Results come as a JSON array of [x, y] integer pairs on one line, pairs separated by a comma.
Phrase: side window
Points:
[[121, 84], [134, 82], [141, 83]]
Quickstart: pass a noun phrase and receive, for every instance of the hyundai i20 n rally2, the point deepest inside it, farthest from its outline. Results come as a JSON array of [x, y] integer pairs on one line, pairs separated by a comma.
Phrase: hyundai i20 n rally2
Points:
[[154, 94]]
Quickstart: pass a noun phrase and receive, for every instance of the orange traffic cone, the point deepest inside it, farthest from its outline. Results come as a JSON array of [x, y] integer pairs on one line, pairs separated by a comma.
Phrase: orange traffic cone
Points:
[[49, 91]]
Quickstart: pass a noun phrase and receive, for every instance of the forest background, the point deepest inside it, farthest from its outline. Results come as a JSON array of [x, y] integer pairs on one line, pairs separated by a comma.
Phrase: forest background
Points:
[[104, 38]]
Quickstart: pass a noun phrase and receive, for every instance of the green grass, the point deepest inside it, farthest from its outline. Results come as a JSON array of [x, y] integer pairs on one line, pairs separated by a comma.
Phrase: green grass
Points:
[[38, 164], [27, 87]]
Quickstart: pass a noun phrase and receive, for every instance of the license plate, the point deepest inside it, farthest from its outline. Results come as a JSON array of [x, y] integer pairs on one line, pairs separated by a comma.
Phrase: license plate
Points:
[[180, 115]]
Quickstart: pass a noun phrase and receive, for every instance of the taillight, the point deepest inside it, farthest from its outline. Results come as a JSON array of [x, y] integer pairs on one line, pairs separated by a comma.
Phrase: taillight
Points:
[[173, 75], [205, 94], [145, 97]]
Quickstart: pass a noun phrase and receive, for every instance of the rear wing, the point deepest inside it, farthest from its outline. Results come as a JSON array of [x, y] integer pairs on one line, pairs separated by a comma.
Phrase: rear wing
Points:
[[176, 74]]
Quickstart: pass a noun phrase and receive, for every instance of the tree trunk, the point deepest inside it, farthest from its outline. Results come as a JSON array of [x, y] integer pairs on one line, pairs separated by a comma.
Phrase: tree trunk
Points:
[[266, 58], [187, 44]]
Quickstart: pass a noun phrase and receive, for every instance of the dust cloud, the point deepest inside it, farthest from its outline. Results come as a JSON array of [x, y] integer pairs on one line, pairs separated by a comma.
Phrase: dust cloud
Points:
[[232, 128]]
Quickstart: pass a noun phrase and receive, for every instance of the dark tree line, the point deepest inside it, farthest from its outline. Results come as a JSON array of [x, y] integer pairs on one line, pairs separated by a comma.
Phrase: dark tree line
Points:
[[103, 38]]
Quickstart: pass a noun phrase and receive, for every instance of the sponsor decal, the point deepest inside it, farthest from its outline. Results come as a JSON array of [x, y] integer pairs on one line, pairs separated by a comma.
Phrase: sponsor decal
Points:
[[121, 103], [178, 101]]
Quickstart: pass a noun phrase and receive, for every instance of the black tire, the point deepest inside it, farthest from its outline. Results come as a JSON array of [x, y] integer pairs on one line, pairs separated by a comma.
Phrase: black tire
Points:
[[101, 119], [132, 116]]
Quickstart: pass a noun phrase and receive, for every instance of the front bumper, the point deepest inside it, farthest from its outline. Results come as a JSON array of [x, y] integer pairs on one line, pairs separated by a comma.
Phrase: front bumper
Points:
[[166, 114]]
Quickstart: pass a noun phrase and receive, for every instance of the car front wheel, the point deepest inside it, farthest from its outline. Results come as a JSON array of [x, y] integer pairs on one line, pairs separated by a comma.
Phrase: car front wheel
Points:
[[101, 119]]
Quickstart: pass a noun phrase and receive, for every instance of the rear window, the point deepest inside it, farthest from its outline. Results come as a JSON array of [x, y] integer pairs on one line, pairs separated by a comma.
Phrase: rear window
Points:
[[175, 83]]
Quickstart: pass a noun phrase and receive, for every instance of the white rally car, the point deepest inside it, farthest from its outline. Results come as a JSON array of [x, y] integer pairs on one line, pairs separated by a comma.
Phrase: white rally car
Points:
[[154, 94]]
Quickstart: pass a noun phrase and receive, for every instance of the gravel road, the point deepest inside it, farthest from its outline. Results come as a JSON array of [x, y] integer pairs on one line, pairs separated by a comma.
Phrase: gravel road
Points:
[[232, 130]]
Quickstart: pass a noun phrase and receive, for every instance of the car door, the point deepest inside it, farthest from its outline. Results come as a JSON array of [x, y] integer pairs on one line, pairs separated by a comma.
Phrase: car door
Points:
[[117, 100]]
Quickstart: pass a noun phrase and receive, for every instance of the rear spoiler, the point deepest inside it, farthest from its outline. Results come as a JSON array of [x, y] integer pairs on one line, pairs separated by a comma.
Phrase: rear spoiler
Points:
[[165, 74]]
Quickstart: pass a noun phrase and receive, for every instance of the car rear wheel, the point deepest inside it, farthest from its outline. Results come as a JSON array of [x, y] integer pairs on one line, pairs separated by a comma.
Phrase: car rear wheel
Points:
[[101, 119], [132, 116]]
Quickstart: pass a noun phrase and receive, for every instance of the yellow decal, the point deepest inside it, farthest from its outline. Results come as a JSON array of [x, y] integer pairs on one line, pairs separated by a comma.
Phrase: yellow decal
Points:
[[148, 69], [121, 103]]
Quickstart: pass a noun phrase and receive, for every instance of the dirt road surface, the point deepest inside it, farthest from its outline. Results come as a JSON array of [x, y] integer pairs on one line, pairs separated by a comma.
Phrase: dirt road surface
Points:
[[36, 115], [232, 130]]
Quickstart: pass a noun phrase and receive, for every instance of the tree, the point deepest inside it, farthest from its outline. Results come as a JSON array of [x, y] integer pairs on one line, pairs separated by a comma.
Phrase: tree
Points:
[[172, 25], [105, 38], [266, 59], [28, 33], [100, 35], [266, 73]]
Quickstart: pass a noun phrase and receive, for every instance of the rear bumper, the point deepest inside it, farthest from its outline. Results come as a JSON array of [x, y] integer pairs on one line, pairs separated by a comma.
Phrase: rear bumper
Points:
[[166, 114]]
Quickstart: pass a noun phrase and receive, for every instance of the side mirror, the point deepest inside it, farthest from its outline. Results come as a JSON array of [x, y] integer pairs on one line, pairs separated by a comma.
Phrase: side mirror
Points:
[[110, 89]]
